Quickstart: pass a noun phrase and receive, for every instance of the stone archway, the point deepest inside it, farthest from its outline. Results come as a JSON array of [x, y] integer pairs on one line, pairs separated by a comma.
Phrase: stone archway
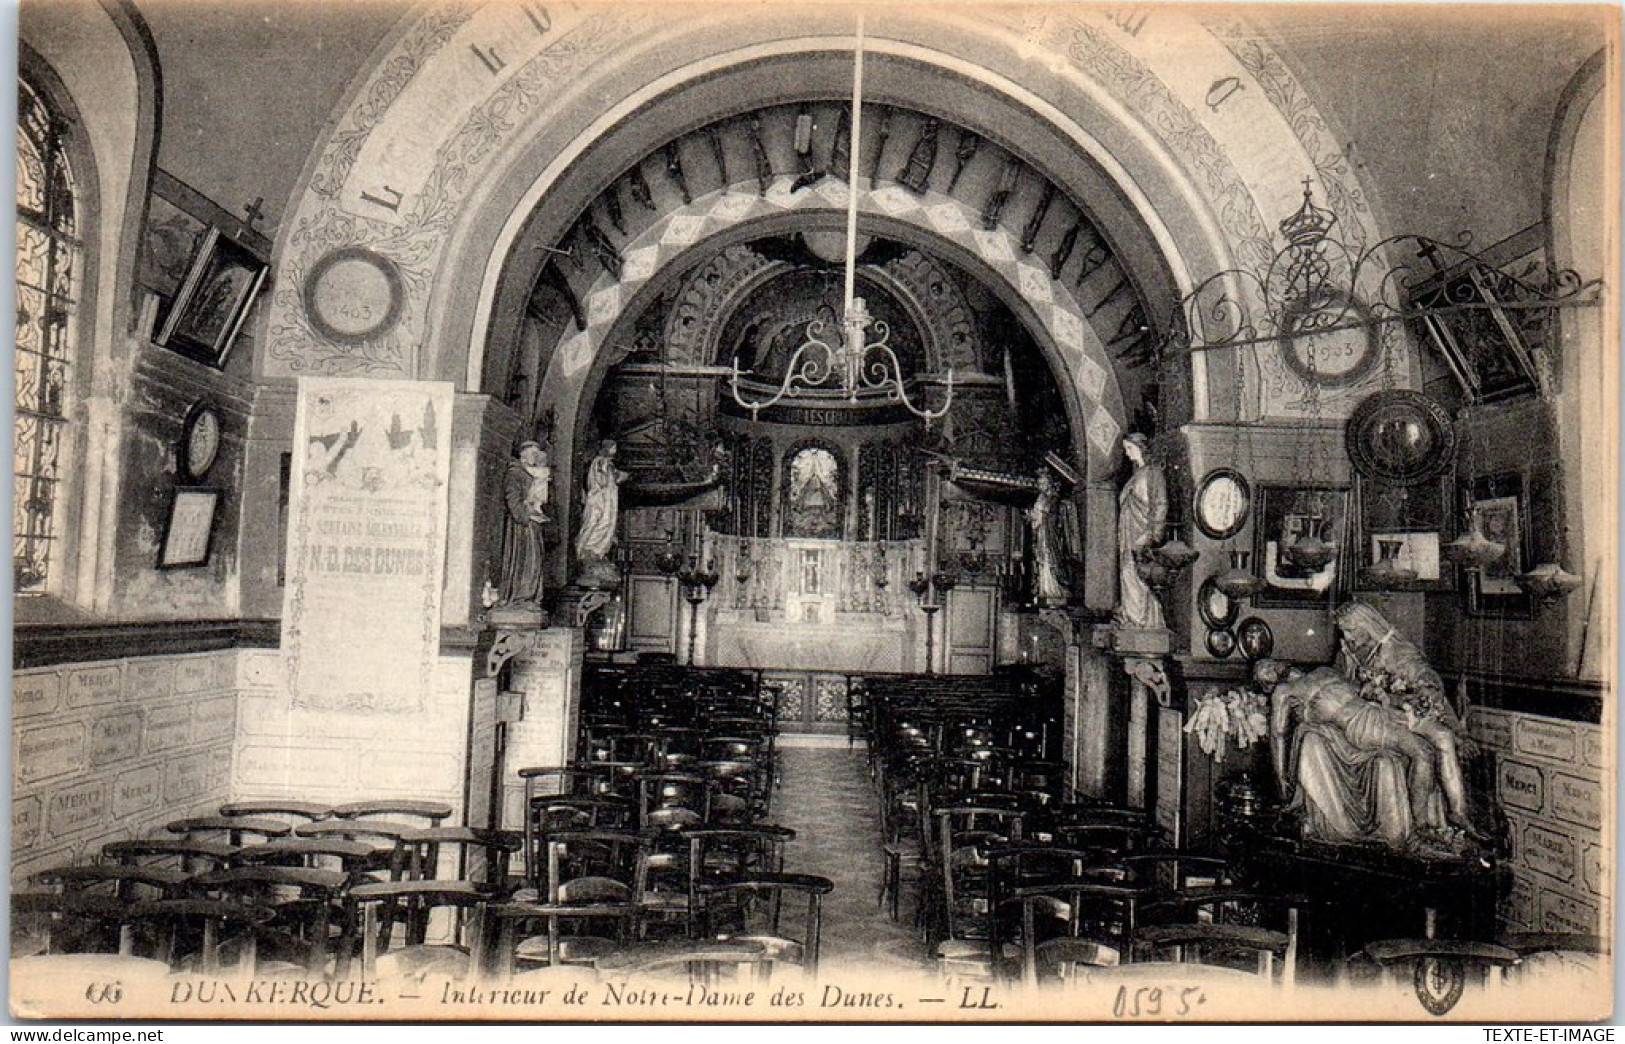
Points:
[[1073, 346]]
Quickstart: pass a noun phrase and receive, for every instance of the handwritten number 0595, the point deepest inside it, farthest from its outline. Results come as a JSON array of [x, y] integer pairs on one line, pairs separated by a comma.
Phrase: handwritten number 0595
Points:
[[1148, 1000]]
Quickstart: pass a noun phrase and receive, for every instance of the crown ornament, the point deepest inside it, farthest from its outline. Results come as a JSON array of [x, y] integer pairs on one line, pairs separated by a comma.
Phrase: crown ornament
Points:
[[1310, 224]]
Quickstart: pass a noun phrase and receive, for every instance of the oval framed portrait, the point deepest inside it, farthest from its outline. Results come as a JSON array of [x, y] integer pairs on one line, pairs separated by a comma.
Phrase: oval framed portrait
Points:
[[1217, 609], [1255, 638], [1221, 644]]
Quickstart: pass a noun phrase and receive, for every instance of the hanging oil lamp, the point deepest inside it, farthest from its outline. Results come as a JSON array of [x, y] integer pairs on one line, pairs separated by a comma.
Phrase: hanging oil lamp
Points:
[[1239, 582], [1175, 553], [1159, 565], [1310, 549], [1548, 581], [1473, 550]]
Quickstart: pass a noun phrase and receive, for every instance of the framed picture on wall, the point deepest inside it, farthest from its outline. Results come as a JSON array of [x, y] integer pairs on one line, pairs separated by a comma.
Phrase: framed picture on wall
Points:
[[1416, 518], [213, 301], [1485, 349], [189, 535], [1499, 505], [1284, 514]]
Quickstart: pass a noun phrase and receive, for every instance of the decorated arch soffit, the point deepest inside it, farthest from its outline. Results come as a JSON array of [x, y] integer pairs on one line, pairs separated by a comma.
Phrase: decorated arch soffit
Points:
[[1051, 309], [452, 101]]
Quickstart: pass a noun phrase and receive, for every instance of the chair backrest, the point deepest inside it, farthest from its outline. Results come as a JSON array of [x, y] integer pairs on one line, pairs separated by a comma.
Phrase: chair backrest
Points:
[[318, 853], [433, 813], [480, 855], [174, 921], [192, 856], [232, 829], [130, 883], [356, 829], [387, 904], [304, 900], [795, 940], [1210, 924], [303, 810]]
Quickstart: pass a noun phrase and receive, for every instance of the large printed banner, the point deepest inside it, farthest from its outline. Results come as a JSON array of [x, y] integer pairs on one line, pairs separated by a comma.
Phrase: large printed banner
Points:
[[366, 543]]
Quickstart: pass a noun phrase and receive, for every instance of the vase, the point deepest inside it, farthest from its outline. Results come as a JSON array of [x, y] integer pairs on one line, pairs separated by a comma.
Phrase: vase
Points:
[[1386, 570]]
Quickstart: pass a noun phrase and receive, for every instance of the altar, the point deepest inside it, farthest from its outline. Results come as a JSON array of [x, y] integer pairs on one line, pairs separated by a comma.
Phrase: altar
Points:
[[846, 647], [816, 605]]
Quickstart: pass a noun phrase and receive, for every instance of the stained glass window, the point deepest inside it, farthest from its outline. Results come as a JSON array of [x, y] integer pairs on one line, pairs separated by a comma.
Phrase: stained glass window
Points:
[[47, 267]]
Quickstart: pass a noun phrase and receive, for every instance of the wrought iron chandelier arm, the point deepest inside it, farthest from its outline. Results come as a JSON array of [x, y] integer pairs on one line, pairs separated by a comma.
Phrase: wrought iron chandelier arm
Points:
[[805, 368], [880, 375]]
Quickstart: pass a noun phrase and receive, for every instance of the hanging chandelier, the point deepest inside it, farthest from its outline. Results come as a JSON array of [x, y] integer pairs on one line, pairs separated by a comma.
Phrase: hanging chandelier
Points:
[[864, 368]]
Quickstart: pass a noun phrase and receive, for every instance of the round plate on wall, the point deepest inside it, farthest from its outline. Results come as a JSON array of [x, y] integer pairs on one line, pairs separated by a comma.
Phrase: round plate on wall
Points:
[[354, 294], [1400, 436], [1329, 339], [1221, 643], [200, 440]]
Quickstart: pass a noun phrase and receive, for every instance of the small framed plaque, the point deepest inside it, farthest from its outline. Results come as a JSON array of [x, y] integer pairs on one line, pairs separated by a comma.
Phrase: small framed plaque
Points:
[[189, 536]]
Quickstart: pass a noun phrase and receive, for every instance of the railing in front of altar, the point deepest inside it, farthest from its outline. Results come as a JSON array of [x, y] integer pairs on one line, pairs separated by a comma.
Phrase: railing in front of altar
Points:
[[770, 576]]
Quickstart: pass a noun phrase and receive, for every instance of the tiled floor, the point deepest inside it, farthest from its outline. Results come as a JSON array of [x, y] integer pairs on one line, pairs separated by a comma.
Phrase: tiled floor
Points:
[[826, 796]]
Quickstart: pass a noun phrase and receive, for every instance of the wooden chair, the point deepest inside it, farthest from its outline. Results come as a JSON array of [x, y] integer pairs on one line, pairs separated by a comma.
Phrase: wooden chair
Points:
[[574, 926], [196, 935], [761, 898], [312, 918], [481, 856], [390, 905], [51, 922], [1225, 926]]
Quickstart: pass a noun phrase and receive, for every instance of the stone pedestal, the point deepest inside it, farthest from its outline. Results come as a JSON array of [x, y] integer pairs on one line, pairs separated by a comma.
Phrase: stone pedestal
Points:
[[545, 675], [1088, 717], [1142, 653]]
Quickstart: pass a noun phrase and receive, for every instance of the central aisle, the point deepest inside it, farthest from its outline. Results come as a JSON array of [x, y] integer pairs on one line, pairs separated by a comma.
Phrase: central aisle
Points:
[[826, 796]]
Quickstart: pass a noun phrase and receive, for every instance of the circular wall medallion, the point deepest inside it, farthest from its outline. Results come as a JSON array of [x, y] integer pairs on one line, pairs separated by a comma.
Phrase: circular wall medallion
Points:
[[354, 294], [1221, 644], [1218, 610], [1329, 339], [1222, 502], [200, 440], [1255, 638], [1400, 436]]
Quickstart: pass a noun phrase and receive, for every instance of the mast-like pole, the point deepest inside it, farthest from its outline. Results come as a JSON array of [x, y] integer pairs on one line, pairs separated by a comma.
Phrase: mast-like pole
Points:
[[852, 175]]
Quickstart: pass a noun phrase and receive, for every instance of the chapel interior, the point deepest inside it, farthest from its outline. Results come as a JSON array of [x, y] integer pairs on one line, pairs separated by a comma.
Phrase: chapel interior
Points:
[[558, 486]]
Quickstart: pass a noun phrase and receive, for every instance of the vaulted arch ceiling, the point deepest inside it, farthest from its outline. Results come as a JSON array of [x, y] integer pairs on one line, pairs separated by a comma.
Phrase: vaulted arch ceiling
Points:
[[483, 136]]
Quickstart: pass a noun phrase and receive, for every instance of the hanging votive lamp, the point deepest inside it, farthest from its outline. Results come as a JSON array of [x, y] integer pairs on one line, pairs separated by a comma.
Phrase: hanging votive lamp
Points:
[[1238, 581], [1310, 549], [1548, 582], [1175, 553], [1386, 570], [1473, 550]]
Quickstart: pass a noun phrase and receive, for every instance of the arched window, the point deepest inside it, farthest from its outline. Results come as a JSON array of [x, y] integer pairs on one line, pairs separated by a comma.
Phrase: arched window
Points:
[[48, 258]]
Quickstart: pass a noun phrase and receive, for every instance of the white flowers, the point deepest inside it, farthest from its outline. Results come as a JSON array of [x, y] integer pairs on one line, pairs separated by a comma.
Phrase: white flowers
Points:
[[1217, 715]]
